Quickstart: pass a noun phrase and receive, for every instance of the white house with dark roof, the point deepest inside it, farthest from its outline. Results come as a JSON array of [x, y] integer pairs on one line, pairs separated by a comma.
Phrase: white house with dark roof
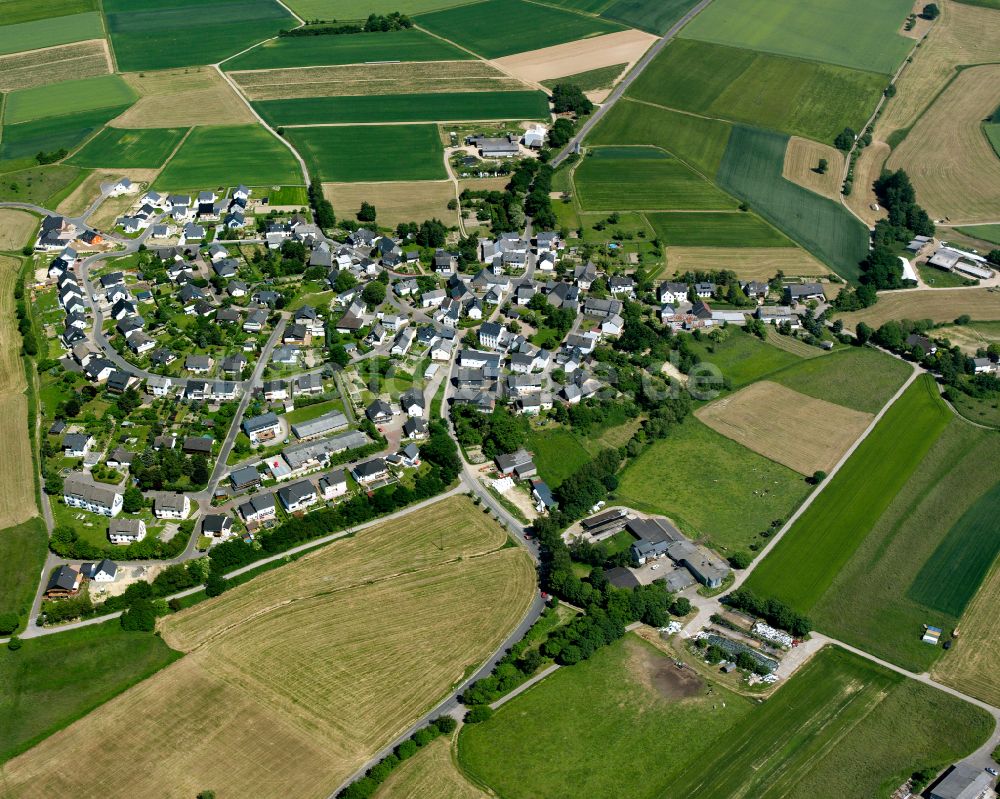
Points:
[[298, 496], [171, 505], [259, 508], [126, 531], [102, 500]]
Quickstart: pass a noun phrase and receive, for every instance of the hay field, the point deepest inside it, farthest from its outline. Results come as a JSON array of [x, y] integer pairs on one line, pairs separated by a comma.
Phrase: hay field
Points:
[[395, 202], [418, 77], [431, 773], [572, 58], [971, 337], [15, 228], [950, 161], [54, 64], [791, 344], [866, 171], [940, 305], [294, 679], [800, 432], [801, 159], [180, 98], [749, 263]]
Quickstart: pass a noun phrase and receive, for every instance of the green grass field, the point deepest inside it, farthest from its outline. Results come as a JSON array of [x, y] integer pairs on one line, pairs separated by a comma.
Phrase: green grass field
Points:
[[373, 152], [360, 9], [68, 97], [714, 488], [699, 142], [497, 28], [160, 34], [308, 412], [743, 358], [38, 33], [990, 233], [228, 156], [591, 80], [751, 169], [145, 148], [52, 681], [812, 29], [17, 11], [655, 16], [716, 230], [307, 51], [815, 100], [801, 568], [564, 738], [38, 184], [585, 6], [620, 179], [992, 133], [842, 726], [289, 195], [22, 555], [52, 133], [454, 107], [557, 454]]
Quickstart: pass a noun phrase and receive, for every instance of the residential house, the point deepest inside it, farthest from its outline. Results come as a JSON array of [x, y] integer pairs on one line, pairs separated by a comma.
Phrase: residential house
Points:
[[76, 445], [262, 428], [370, 471], [412, 402], [100, 499], [379, 412], [258, 508], [64, 582], [217, 525], [333, 485], [126, 531], [298, 496], [171, 505]]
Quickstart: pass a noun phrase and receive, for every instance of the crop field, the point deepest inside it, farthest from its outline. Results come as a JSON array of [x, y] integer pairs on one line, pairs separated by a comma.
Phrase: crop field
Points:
[[543, 742], [699, 142], [22, 555], [17, 11], [497, 28], [801, 432], [52, 133], [310, 51], [867, 169], [147, 34], [814, 30], [39, 33], [183, 98], [609, 49], [719, 230], [375, 152], [749, 263], [925, 555], [939, 305], [954, 170], [54, 64], [67, 98], [430, 773], [857, 731], [404, 201], [802, 159], [333, 655], [227, 156], [360, 9], [715, 489], [816, 100], [16, 227], [800, 569], [454, 107], [143, 148], [591, 80], [643, 178], [655, 16], [557, 454], [751, 169]]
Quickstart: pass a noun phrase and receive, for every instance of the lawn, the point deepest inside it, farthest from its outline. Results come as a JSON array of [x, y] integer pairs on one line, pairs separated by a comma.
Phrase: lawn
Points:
[[557, 454], [752, 170], [742, 358], [373, 152], [715, 489], [143, 148], [579, 731], [54, 680], [307, 51], [643, 178], [308, 412], [812, 29], [801, 568], [227, 156], [288, 195], [815, 100], [160, 34], [655, 16], [716, 230], [52, 133], [842, 726], [497, 28], [40, 33], [431, 107], [22, 555], [66, 98]]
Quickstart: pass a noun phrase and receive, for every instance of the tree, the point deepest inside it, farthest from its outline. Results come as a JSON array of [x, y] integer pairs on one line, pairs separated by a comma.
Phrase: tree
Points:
[[338, 354], [818, 477], [931, 11], [844, 140], [374, 293], [740, 559], [864, 332], [823, 166], [569, 98], [993, 256], [445, 724], [478, 713], [215, 584], [206, 795], [132, 500], [8, 623], [140, 616], [344, 281], [14, 643], [560, 133], [367, 212]]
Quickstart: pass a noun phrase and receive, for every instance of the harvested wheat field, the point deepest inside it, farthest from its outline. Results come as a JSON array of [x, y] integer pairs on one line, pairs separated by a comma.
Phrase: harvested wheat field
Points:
[[53, 64], [939, 305], [866, 171], [296, 678], [797, 431], [179, 98], [395, 202], [801, 161], [749, 263], [432, 772], [79, 200], [572, 58], [364, 79], [16, 227], [951, 163]]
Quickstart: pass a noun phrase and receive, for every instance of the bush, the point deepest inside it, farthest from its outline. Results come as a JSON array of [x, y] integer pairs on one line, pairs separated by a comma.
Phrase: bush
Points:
[[140, 617], [8, 623], [362, 789], [14, 643], [445, 724], [478, 713], [740, 560], [215, 584], [406, 749], [680, 606]]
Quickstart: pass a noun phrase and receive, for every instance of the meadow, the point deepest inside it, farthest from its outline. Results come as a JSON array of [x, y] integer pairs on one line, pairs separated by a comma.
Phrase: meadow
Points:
[[557, 454], [496, 28], [643, 178], [713, 488], [741, 357], [150, 34], [749, 263], [813, 29], [67, 98], [816, 100], [751, 169], [655, 16], [545, 742], [990, 233], [38, 33], [181, 98], [716, 229], [449, 107], [23, 548], [334, 655], [940, 305], [430, 772], [228, 156], [307, 51], [54, 64], [859, 730], [373, 152], [40, 185], [395, 202], [143, 148], [801, 568]]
